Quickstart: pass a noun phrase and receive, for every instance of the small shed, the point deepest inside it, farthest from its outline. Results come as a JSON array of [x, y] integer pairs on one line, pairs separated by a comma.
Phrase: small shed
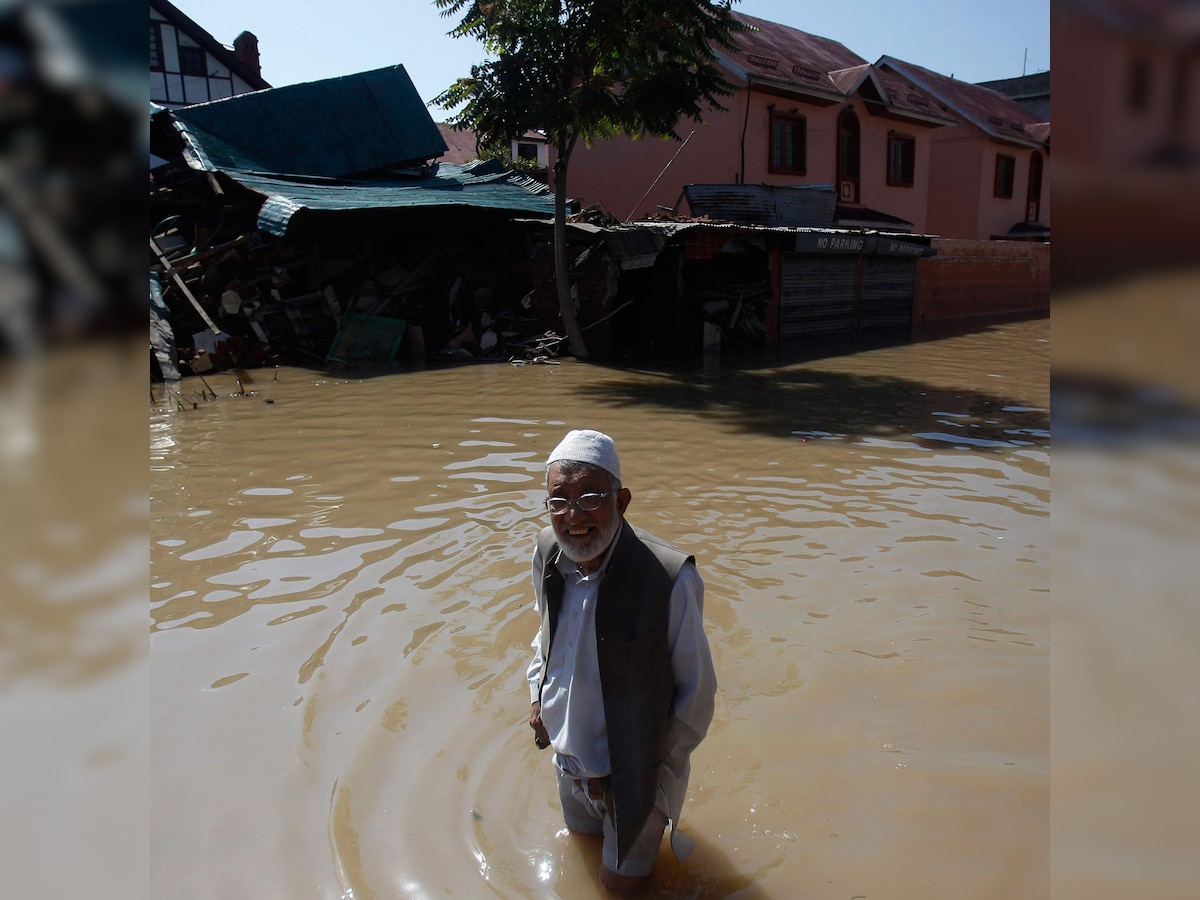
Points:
[[848, 284], [827, 279], [770, 286]]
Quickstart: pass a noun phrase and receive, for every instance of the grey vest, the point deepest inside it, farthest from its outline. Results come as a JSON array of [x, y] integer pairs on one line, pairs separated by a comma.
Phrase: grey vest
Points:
[[632, 613]]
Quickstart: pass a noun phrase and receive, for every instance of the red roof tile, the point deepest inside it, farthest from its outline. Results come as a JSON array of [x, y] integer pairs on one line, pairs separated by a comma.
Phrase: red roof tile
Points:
[[989, 110], [905, 96], [799, 60], [460, 144], [792, 56]]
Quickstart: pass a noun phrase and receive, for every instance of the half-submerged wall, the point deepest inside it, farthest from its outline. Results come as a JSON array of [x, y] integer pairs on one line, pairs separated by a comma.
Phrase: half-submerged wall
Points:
[[974, 279]]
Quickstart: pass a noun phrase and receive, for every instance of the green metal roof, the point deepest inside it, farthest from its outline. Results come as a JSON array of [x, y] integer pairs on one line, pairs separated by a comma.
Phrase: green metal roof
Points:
[[335, 127], [485, 185], [358, 142]]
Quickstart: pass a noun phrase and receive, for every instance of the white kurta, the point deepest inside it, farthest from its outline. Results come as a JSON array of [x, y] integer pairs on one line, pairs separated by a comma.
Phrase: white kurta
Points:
[[570, 692]]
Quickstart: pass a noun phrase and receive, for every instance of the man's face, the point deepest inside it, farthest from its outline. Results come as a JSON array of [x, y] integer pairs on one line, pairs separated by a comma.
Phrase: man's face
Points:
[[582, 535]]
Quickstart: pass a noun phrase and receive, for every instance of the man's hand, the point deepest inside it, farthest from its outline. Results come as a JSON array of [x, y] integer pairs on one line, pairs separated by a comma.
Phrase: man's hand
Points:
[[540, 736]]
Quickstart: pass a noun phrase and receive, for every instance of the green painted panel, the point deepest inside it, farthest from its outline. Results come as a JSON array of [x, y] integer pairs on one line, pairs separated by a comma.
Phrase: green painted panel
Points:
[[335, 127]]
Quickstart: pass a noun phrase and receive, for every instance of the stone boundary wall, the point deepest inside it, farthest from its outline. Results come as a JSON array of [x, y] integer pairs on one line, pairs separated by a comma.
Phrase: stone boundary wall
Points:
[[979, 279]]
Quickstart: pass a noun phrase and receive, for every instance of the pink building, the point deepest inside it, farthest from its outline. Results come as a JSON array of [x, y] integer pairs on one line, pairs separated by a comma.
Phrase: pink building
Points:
[[901, 148], [988, 170]]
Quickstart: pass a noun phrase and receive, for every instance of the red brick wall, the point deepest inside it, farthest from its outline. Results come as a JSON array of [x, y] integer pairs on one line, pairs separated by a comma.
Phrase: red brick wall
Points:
[[969, 279]]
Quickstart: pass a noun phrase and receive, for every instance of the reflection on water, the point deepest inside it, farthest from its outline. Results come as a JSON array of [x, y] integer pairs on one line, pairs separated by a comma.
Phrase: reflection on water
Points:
[[341, 617]]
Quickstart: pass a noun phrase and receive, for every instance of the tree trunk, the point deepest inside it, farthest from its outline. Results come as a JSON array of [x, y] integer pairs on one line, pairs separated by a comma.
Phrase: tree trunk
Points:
[[562, 273]]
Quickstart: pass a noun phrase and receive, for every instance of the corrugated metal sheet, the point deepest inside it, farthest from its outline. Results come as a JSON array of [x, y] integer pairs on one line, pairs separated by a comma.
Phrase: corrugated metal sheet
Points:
[[900, 98], [989, 110], [791, 56], [764, 204], [460, 145], [864, 217], [485, 185], [817, 295], [1022, 87], [336, 127], [635, 248], [782, 57], [903, 97]]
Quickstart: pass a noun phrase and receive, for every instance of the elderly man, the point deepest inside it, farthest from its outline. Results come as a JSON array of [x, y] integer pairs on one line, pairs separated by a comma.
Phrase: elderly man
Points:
[[621, 680]]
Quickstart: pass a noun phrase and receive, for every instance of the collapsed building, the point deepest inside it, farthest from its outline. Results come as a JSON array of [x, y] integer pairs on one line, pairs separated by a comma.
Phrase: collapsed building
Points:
[[314, 225]]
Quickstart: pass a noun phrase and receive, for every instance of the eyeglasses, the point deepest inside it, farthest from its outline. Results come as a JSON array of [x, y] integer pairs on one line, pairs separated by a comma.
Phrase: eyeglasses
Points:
[[588, 503]]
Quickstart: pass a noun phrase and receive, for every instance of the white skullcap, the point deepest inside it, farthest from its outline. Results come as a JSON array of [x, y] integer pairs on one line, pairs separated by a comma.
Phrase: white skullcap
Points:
[[592, 447]]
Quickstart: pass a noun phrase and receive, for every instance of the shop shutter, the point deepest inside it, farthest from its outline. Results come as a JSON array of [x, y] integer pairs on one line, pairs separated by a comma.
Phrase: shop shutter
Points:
[[889, 284], [817, 295]]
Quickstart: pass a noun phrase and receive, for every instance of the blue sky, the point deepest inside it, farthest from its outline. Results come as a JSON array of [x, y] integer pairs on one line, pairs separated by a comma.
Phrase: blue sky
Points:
[[306, 40]]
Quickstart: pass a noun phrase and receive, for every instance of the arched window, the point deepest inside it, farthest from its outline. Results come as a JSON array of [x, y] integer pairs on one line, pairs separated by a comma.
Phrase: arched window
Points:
[[848, 156], [1033, 202]]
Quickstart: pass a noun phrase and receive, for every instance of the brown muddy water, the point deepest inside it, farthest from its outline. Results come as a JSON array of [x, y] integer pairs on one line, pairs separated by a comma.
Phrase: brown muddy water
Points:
[[341, 619]]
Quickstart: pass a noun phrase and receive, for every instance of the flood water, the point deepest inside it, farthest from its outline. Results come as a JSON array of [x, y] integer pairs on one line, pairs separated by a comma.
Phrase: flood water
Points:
[[341, 616]]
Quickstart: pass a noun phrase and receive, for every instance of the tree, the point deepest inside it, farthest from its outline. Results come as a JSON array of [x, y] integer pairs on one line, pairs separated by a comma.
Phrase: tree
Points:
[[588, 70]]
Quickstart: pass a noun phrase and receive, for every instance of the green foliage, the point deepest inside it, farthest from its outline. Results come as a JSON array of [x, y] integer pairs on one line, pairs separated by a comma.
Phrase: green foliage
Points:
[[589, 70], [517, 164]]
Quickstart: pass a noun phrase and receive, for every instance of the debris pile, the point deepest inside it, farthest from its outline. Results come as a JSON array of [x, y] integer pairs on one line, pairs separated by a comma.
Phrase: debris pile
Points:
[[737, 307], [596, 214], [314, 224], [542, 349], [473, 289]]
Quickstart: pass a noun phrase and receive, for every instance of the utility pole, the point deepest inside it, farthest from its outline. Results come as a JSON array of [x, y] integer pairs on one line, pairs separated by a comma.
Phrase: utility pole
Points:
[[1024, 61]]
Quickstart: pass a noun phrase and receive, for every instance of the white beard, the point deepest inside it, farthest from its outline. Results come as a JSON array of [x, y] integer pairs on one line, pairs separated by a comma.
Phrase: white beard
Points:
[[585, 549]]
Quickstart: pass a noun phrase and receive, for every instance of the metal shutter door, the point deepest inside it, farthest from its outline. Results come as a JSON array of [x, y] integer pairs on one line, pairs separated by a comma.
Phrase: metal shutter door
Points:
[[817, 295], [887, 292]]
